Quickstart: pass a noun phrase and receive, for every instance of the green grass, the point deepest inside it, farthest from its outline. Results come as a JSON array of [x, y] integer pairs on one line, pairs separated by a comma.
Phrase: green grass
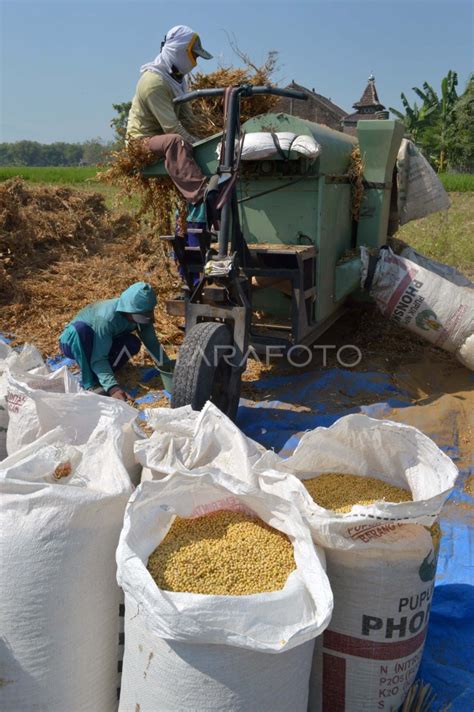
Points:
[[446, 236], [459, 182], [50, 174]]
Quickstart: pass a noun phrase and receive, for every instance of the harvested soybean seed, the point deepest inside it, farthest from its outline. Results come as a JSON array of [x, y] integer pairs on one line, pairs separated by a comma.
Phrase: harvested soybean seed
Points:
[[222, 553], [62, 470], [436, 535], [341, 492]]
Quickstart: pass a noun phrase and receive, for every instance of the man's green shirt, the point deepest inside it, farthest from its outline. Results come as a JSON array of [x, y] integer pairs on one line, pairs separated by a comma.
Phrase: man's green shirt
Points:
[[153, 112]]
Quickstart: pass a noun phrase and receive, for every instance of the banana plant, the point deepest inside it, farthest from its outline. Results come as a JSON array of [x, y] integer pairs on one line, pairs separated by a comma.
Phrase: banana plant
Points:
[[434, 114], [449, 98], [415, 117]]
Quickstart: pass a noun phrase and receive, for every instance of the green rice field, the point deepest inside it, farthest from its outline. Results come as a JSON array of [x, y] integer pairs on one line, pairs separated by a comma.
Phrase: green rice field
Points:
[[69, 175], [459, 182]]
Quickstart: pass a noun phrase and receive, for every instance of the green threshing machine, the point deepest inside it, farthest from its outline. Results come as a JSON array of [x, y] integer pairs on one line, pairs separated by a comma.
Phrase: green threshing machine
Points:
[[272, 275]]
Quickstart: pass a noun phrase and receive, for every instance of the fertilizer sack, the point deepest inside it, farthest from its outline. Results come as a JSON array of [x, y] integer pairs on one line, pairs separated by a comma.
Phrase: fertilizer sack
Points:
[[28, 359], [422, 302], [60, 520], [34, 412], [381, 558], [187, 651], [191, 441], [446, 271], [420, 191]]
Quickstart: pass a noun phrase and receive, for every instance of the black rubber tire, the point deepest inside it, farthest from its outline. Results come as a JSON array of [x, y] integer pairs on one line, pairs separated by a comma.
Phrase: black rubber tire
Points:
[[197, 378]]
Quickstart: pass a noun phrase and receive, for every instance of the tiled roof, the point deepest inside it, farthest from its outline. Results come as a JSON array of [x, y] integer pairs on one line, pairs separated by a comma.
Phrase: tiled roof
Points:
[[369, 97], [320, 98]]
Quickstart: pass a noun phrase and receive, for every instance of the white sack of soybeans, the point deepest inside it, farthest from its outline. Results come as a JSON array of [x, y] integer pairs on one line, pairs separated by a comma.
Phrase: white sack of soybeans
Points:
[[186, 649], [34, 412], [422, 302], [26, 359], [60, 520], [420, 191], [371, 491], [193, 440]]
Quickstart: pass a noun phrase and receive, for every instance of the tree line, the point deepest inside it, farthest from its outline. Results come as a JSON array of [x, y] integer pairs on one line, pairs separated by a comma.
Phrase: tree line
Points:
[[32, 153]]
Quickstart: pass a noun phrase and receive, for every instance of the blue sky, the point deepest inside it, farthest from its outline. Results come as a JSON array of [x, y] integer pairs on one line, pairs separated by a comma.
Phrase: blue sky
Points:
[[64, 63]]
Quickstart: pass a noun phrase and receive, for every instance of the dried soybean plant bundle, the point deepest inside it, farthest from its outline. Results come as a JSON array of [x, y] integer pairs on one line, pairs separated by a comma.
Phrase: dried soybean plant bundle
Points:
[[158, 199], [356, 180], [209, 111]]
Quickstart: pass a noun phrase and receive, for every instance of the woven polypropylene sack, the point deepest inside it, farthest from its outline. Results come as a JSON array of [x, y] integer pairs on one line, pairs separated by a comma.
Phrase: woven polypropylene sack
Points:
[[446, 271], [423, 302], [78, 413], [381, 559], [59, 601], [369, 656], [172, 676], [190, 652], [28, 359], [420, 191], [24, 426], [192, 441]]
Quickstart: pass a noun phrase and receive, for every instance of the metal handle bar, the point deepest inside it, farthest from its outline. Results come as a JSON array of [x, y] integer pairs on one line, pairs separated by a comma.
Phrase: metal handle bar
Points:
[[244, 90]]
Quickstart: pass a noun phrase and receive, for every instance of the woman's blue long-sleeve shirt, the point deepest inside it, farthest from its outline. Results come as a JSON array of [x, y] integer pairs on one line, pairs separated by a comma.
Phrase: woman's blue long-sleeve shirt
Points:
[[107, 323]]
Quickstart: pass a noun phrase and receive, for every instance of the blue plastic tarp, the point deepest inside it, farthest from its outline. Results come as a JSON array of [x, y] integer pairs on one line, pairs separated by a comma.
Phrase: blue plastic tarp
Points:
[[448, 661]]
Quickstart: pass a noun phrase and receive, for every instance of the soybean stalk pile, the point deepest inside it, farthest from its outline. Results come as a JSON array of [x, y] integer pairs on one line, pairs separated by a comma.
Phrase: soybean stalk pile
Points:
[[61, 249], [209, 111]]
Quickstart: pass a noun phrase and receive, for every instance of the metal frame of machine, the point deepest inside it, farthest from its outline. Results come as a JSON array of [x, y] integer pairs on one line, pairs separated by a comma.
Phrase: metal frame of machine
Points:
[[225, 294]]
